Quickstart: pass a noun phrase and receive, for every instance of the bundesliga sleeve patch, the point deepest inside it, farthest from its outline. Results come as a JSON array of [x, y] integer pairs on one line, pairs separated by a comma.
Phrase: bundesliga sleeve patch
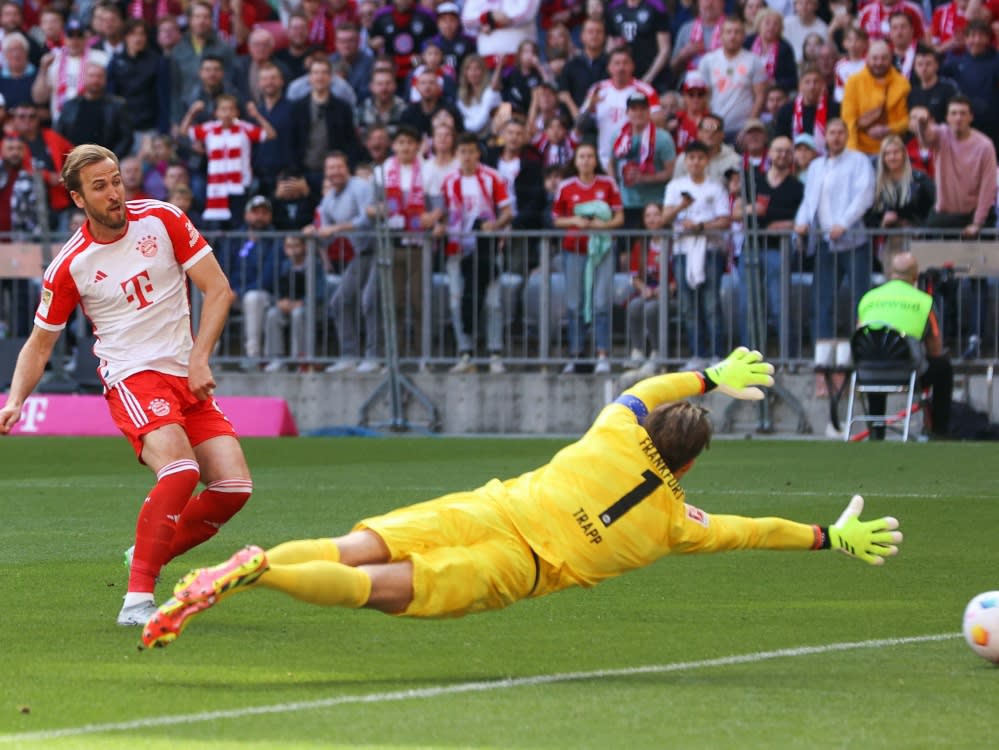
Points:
[[636, 405], [43, 306]]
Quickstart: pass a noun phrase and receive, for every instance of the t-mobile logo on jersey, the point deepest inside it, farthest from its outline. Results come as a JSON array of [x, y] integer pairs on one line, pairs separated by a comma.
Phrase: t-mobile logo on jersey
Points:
[[138, 284]]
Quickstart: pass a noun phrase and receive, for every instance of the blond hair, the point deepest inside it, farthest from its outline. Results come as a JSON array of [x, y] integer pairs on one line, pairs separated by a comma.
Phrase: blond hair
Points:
[[80, 157]]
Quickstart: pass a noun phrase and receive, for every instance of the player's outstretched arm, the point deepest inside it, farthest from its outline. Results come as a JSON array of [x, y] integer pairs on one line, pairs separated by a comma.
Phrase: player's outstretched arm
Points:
[[870, 541], [740, 375]]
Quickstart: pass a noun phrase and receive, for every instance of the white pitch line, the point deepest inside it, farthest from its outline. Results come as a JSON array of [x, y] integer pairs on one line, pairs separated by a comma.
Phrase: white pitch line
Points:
[[468, 687]]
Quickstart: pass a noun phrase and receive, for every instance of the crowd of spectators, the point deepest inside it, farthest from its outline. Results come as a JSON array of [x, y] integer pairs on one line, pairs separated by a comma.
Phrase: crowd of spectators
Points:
[[331, 115]]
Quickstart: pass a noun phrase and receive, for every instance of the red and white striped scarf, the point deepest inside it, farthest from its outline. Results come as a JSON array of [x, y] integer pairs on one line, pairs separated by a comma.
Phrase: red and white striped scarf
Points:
[[411, 206], [697, 35], [228, 152], [769, 57], [646, 149], [819, 128], [62, 77]]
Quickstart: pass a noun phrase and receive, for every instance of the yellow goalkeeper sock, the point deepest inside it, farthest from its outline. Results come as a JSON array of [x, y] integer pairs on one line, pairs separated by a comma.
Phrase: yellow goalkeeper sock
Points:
[[302, 551], [330, 584]]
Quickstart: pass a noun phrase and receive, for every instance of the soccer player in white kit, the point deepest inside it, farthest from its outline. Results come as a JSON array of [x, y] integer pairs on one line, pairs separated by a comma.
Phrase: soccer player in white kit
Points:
[[128, 267]]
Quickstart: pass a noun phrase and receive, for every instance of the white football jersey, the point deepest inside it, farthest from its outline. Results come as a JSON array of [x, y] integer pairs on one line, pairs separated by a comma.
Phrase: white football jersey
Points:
[[612, 112], [133, 290]]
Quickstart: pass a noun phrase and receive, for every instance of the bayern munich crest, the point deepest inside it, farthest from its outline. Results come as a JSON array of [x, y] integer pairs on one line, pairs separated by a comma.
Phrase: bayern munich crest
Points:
[[147, 246], [159, 407]]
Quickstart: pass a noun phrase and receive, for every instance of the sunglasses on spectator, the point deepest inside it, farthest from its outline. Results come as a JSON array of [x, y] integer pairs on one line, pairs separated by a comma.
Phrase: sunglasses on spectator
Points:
[[696, 92]]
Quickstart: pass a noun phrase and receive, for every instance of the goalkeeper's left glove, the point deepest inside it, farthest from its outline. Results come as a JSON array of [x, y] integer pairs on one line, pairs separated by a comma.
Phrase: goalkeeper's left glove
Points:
[[870, 541], [739, 374]]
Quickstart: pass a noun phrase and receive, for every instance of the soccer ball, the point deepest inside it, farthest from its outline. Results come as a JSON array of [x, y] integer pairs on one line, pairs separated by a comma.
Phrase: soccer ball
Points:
[[981, 625]]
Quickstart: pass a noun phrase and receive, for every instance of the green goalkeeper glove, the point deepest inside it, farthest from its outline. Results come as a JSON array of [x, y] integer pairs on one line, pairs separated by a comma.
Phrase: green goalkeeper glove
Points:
[[739, 374], [870, 541]]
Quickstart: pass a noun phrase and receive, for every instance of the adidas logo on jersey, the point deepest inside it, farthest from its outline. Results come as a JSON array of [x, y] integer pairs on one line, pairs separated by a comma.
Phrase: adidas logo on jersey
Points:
[[100, 276]]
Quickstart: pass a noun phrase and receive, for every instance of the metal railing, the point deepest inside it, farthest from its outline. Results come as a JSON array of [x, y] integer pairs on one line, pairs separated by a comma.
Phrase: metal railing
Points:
[[533, 299]]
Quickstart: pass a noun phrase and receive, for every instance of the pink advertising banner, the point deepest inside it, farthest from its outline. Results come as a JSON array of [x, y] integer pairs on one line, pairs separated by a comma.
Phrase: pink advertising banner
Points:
[[62, 414]]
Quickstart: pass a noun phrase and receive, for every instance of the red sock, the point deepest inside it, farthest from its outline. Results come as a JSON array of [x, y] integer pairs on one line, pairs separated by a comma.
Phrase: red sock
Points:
[[158, 522], [205, 514]]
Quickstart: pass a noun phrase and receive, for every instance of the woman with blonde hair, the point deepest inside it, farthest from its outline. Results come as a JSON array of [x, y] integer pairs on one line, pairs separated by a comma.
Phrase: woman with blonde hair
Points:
[[478, 95], [768, 44], [903, 196]]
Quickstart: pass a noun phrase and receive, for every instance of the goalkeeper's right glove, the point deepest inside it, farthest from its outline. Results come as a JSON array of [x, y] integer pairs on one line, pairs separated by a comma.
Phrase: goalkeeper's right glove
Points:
[[870, 541], [739, 374]]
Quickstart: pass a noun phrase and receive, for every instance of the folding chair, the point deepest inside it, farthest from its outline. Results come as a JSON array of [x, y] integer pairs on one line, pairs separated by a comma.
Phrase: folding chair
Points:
[[885, 360]]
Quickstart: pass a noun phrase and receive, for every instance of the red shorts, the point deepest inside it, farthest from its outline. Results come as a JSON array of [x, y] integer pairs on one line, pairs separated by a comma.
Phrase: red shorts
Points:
[[149, 400]]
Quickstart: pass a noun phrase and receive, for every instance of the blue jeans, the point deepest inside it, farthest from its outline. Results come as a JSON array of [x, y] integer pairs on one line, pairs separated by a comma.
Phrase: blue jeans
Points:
[[831, 268], [700, 309], [574, 267]]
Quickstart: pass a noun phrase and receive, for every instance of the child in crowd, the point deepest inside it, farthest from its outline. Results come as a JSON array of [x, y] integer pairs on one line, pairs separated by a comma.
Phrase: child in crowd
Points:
[[432, 60], [557, 143], [227, 141], [855, 43]]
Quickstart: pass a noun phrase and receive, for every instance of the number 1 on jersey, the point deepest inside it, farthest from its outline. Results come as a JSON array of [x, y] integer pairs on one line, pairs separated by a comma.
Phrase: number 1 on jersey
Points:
[[631, 499]]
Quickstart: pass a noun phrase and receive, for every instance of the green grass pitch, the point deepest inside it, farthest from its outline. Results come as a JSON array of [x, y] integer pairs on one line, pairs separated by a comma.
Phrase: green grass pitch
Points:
[[639, 662]]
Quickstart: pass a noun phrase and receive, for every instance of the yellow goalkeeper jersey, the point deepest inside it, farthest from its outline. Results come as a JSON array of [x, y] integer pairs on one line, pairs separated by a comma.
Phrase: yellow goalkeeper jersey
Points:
[[608, 503]]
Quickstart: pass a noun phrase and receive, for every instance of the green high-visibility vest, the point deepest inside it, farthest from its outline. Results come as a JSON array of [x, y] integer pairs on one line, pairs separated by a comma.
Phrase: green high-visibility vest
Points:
[[898, 304]]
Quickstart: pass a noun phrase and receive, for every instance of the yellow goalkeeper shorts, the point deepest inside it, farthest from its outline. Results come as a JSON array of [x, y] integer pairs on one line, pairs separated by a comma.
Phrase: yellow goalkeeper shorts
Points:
[[467, 556]]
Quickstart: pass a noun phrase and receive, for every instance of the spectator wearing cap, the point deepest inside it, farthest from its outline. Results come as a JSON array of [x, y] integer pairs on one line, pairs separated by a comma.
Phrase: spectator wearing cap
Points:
[[696, 37], [721, 156], [199, 41], [547, 102], [696, 104], [736, 77], [359, 63], [384, 107], [976, 73], [295, 55], [805, 152], [874, 102], [17, 74], [63, 71], [607, 102], [249, 258], [644, 25], [642, 158], [95, 116], [499, 27], [809, 111], [752, 142], [838, 191], [399, 30], [588, 67], [453, 42]]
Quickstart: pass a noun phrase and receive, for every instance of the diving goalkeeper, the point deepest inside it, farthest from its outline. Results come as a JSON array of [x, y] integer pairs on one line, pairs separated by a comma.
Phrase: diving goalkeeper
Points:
[[609, 503]]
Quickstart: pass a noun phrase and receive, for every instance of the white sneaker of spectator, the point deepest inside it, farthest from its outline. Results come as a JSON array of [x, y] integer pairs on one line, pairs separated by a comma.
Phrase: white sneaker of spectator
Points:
[[464, 364], [496, 366], [344, 365], [569, 369], [634, 360], [603, 366], [368, 365], [278, 365]]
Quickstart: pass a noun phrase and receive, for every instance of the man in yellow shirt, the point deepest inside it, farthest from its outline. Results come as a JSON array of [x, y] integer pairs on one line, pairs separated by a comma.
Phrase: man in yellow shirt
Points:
[[609, 503], [875, 101]]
